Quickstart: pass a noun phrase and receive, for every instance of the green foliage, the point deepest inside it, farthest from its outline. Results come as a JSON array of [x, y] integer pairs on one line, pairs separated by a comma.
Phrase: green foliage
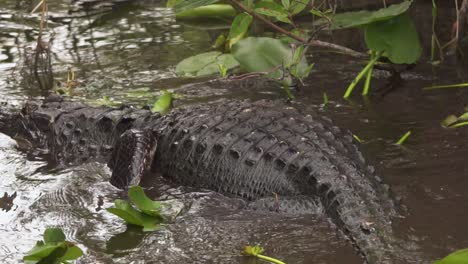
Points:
[[205, 64], [239, 28], [397, 38], [453, 121], [148, 216], [209, 11], [164, 103], [364, 17], [268, 55], [54, 249], [256, 251], [272, 9], [457, 257]]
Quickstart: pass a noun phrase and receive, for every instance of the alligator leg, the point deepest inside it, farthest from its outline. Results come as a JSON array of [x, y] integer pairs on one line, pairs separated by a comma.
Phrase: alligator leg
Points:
[[132, 156]]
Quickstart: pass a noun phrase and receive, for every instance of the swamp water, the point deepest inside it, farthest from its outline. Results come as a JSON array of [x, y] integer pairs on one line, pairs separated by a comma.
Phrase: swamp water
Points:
[[134, 48]]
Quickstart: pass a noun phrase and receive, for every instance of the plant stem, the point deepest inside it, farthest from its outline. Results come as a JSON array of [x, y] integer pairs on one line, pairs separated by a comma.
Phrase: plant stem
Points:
[[316, 43], [272, 260], [360, 75], [403, 138], [365, 91]]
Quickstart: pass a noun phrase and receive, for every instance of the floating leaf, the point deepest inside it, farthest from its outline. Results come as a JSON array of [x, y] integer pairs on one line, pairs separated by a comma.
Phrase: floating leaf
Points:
[[54, 250], [265, 55], [185, 5], [457, 257], [253, 250], [73, 252], [361, 18], [239, 28], [208, 11], [163, 104], [142, 202], [396, 37], [125, 210], [53, 235], [257, 251], [205, 64], [39, 252]]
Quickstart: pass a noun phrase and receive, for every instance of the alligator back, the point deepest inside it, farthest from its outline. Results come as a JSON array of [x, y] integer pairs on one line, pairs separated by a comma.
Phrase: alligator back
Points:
[[260, 149], [239, 148]]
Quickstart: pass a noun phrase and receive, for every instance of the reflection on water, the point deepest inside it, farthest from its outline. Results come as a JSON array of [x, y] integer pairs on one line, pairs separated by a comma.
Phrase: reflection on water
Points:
[[135, 47]]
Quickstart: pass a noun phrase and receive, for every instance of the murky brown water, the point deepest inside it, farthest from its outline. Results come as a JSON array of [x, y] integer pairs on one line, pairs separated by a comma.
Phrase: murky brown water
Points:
[[136, 47]]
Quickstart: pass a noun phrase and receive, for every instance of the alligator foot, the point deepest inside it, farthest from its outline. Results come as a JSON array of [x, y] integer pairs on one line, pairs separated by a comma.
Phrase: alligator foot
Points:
[[132, 157]]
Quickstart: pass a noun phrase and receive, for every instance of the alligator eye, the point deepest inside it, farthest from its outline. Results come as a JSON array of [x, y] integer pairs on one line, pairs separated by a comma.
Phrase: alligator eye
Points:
[[217, 129]]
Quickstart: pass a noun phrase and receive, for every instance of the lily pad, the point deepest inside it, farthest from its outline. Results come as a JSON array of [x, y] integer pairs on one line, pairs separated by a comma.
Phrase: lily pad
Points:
[[361, 18], [53, 235], [205, 64], [397, 38]]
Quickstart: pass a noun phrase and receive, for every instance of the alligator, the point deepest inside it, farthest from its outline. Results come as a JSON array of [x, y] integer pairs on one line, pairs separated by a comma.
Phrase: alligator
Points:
[[250, 150]]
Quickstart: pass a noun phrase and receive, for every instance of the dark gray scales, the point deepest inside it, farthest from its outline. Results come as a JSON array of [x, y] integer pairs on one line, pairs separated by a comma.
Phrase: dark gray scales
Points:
[[258, 151]]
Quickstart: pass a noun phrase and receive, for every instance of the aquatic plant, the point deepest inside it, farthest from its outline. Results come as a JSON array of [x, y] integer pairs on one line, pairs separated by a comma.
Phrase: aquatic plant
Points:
[[388, 32], [148, 214], [257, 251], [53, 249]]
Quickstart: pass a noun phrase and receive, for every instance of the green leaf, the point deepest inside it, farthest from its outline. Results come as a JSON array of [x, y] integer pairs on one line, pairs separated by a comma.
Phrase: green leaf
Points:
[[286, 4], [142, 202], [449, 121], [361, 18], [73, 252], [264, 55], [396, 37], [205, 64], [53, 235], [239, 28], [125, 210], [298, 5], [40, 252], [272, 9], [219, 42], [163, 104], [457, 257], [185, 5], [209, 11]]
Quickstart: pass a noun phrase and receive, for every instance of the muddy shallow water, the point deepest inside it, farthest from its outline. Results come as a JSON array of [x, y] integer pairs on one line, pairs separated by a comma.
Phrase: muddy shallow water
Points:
[[135, 47]]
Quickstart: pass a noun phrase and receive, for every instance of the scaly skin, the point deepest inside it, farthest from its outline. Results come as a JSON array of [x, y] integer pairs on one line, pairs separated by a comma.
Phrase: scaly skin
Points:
[[238, 148]]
